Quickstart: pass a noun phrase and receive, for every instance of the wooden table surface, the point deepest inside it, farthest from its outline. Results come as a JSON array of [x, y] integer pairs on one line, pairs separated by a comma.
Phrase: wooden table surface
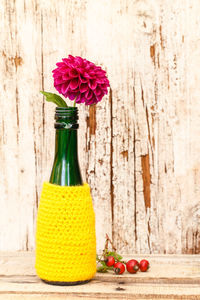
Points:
[[170, 277]]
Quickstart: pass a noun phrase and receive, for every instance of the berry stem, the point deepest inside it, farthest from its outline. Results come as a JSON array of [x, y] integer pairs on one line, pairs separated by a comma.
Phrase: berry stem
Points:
[[123, 261], [109, 240], [99, 259]]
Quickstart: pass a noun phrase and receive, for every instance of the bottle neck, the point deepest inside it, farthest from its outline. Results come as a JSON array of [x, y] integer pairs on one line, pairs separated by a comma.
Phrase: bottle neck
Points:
[[66, 145], [66, 170]]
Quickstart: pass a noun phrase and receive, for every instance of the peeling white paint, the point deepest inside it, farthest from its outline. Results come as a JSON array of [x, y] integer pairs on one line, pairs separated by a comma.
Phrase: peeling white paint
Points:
[[150, 50]]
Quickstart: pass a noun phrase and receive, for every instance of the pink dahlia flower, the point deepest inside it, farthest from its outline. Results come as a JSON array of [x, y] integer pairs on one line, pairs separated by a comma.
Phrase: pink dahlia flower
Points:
[[80, 79]]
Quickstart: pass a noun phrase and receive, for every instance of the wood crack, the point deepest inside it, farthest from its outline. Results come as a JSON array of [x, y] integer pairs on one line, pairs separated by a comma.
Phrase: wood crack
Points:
[[146, 176], [135, 176], [42, 73], [111, 164], [17, 111], [91, 120], [149, 134]]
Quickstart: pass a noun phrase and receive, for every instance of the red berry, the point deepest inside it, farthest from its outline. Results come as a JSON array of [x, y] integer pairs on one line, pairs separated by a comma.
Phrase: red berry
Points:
[[119, 268], [132, 266], [109, 261], [144, 265]]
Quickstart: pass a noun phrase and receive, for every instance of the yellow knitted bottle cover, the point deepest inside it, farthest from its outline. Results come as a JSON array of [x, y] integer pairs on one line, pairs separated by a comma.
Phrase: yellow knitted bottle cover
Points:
[[65, 234]]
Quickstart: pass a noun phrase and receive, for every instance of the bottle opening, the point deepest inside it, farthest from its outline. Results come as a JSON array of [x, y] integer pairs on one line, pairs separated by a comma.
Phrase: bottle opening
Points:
[[66, 118], [66, 111]]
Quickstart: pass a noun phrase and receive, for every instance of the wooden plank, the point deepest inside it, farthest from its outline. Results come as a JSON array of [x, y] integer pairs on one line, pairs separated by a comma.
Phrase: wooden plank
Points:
[[20, 124], [174, 267], [102, 288], [98, 155], [170, 277], [107, 291]]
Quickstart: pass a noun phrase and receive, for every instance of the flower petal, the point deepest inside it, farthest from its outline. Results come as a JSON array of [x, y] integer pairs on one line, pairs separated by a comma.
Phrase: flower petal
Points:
[[91, 101], [89, 95], [63, 70], [82, 79], [59, 80], [73, 73], [99, 97], [71, 95], [92, 84], [60, 64], [86, 75], [64, 88], [79, 60], [97, 91], [78, 99], [83, 87], [66, 77], [74, 83], [58, 88]]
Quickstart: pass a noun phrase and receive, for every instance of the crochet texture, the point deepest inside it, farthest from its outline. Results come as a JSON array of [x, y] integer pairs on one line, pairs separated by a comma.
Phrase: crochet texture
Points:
[[65, 234]]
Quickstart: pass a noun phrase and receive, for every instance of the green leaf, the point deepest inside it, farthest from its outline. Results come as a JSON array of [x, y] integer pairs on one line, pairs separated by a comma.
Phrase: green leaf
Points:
[[116, 256], [119, 257], [50, 97], [103, 263]]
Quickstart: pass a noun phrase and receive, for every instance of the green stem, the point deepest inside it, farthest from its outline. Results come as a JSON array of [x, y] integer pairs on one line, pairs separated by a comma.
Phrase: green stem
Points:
[[75, 102]]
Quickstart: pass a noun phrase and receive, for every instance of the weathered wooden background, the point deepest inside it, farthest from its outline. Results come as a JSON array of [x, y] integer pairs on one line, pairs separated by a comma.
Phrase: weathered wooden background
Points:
[[139, 148]]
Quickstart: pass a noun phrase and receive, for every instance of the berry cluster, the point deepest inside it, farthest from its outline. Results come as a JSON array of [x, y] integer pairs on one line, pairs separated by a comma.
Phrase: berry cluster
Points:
[[132, 265], [110, 260]]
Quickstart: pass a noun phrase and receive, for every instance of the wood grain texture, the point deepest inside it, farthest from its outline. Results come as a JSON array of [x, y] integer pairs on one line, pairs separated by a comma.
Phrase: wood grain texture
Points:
[[179, 278], [138, 148]]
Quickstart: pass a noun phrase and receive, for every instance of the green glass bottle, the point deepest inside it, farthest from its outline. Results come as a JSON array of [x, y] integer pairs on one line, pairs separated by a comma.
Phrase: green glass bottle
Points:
[[66, 170]]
